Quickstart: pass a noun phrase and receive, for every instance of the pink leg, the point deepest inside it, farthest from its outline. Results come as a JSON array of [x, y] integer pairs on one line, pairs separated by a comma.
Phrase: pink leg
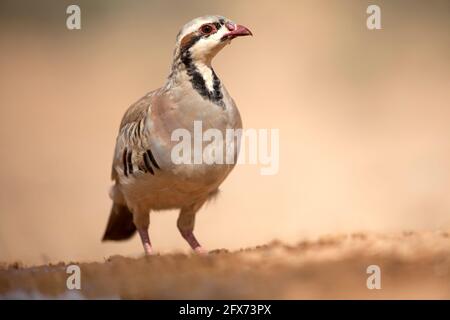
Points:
[[192, 240], [143, 232], [185, 224]]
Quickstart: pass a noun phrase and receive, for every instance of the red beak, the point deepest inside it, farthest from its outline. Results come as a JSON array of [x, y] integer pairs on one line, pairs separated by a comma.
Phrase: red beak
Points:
[[236, 31]]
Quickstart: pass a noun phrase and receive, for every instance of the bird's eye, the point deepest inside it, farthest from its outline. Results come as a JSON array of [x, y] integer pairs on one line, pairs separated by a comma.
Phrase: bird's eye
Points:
[[207, 29]]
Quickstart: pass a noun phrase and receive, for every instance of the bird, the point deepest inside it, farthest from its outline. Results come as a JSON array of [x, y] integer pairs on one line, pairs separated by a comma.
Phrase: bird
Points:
[[145, 176]]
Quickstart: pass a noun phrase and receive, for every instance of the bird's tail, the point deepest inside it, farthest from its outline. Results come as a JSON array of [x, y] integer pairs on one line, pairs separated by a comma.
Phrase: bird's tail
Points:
[[120, 223]]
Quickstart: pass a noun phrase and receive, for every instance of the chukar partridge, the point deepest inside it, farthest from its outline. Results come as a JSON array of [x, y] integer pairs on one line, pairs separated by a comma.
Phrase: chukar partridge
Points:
[[145, 176]]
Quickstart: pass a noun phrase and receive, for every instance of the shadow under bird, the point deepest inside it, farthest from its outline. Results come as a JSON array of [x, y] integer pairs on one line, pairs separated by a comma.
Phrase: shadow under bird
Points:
[[145, 176]]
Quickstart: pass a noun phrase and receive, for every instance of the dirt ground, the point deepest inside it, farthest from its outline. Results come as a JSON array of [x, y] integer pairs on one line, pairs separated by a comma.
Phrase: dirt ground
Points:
[[414, 265]]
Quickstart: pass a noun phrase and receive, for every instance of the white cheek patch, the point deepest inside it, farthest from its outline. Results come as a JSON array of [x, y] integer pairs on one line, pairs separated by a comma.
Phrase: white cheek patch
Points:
[[211, 44], [202, 46], [220, 33]]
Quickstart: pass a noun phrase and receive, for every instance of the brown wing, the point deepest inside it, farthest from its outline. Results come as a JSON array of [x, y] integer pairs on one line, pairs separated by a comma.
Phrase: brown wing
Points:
[[130, 134]]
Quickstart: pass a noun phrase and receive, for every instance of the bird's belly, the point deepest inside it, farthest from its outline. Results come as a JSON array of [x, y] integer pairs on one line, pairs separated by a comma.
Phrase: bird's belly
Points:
[[179, 187]]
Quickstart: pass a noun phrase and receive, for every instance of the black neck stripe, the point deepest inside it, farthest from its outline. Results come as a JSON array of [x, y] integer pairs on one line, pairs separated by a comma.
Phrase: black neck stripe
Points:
[[196, 78]]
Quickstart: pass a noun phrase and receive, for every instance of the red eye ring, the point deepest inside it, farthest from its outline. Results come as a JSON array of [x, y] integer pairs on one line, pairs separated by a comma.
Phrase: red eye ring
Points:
[[207, 28]]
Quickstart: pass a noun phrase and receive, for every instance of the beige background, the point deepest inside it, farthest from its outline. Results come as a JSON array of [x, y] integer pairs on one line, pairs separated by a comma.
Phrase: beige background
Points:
[[363, 118]]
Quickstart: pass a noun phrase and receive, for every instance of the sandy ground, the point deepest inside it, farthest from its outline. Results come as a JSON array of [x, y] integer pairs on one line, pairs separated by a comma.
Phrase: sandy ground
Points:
[[414, 265], [362, 115]]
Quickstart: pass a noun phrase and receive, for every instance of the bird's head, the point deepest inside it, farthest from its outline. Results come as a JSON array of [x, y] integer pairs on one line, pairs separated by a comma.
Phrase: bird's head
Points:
[[202, 38]]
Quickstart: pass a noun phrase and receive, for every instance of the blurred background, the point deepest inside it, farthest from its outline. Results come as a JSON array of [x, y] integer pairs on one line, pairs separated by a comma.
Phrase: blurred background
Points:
[[363, 117]]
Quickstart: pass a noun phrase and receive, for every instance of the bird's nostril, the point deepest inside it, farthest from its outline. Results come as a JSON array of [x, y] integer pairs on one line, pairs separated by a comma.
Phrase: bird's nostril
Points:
[[230, 26]]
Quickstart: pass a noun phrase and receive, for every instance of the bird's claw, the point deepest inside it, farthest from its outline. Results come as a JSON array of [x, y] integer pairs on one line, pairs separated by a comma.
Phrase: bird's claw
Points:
[[201, 251]]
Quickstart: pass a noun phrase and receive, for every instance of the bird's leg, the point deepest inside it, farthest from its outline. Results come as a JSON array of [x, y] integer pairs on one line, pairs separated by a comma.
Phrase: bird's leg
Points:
[[185, 223], [143, 232], [141, 219], [188, 232]]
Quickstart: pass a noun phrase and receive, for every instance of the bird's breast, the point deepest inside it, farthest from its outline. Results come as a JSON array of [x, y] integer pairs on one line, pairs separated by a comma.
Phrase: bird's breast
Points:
[[195, 144]]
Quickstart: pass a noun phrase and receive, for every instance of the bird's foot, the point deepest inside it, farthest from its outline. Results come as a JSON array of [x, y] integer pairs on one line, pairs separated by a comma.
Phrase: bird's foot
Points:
[[148, 250], [200, 251], [190, 238]]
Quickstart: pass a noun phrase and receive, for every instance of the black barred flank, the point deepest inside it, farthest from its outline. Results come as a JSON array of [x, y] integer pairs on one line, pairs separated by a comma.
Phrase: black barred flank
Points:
[[147, 163], [124, 160], [129, 163], [152, 159]]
